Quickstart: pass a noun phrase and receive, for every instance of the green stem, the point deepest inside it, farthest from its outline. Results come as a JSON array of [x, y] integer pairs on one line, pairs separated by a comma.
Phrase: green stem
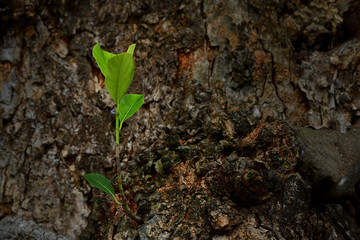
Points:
[[117, 126], [121, 123], [121, 189], [117, 201]]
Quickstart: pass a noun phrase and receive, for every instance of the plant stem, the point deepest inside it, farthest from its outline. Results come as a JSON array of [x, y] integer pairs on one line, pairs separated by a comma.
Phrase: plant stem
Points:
[[121, 189], [117, 127]]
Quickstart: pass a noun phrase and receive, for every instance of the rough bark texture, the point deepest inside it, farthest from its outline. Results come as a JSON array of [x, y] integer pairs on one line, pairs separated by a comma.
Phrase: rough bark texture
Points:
[[213, 153]]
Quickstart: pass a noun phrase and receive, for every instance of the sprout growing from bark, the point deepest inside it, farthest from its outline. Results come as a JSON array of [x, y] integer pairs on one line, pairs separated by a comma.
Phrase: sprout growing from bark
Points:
[[118, 70]]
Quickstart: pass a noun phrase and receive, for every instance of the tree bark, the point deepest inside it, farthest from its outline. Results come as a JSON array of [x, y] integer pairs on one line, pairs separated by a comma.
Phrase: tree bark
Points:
[[237, 94]]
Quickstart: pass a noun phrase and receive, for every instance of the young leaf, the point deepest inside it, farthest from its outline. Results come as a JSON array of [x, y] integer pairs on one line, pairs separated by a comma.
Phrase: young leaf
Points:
[[101, 57], [129, 104], [131, 49], [119, 74], [99, 181]]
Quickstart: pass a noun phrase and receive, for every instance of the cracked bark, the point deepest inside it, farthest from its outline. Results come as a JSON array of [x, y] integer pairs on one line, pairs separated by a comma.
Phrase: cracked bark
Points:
[[206, 156]]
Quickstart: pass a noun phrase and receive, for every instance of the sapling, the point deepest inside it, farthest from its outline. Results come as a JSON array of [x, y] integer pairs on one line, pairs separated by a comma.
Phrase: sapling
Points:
[[118, 70]]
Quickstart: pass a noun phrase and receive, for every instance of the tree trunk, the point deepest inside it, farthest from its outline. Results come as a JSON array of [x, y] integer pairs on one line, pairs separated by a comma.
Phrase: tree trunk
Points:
[[247, 131]]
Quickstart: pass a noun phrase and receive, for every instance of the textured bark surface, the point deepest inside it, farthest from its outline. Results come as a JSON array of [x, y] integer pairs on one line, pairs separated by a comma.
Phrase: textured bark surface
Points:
[[213, 153]]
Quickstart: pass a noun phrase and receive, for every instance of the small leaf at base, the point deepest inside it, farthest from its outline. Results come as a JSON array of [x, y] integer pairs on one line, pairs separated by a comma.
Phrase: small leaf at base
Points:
[[99, 181]]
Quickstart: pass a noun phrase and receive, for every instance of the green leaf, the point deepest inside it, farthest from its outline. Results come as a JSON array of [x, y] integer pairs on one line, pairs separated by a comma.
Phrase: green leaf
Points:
[[131, 49], [119, 74], [101, 57], [99, 181], [129, 104]]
